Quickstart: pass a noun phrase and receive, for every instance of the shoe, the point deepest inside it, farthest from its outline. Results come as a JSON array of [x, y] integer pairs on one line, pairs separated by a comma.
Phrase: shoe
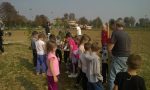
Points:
[[76, 86], [74, 75], [71, 75], [37, 73], [4, 53], [43, 74], [67, 72]]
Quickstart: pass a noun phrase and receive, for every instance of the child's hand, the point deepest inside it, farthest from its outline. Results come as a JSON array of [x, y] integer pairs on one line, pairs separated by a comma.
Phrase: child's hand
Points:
[[55, 79]]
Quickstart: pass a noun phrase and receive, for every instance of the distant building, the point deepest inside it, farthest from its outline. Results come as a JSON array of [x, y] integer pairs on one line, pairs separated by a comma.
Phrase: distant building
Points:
[[85, 27], [72, 24], [88, 27]]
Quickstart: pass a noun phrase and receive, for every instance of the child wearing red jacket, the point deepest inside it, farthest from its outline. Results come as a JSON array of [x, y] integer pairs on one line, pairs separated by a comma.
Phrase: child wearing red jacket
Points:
[[104, 52]]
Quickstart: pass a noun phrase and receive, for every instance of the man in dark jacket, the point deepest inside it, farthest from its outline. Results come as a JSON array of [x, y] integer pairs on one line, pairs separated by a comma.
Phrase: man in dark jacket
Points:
[[1, 41], [47, 28]]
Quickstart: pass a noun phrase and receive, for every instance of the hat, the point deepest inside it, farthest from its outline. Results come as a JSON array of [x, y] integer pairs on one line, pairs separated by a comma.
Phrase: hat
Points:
[[120, 23]]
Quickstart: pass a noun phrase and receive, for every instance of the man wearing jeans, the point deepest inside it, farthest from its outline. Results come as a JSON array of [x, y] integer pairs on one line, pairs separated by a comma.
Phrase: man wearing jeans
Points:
[[119, 50]]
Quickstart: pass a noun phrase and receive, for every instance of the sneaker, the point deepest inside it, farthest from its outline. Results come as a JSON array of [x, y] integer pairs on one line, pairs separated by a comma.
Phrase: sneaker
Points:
[[67, 72], [74, 75], [4, 53], [37, 73], [71, 75], [76, 86], [43, 74]]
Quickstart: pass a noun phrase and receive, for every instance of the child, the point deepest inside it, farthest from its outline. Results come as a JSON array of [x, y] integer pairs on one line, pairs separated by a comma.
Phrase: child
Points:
[[66, 54], [53, 38], [104, 59], [53, 66], [83, 63], [84, 39], [40, 48], [104, 36], [73, 47], [34, 52], [59, 48], [130, 80], [94, 69]]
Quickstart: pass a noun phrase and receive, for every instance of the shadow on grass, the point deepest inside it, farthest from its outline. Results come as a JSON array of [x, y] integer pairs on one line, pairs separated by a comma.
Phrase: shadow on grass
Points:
[[28, 85], [25, 63]]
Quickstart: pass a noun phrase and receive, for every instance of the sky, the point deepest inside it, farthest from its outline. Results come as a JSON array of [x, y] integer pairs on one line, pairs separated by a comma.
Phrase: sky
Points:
[[105, 9]]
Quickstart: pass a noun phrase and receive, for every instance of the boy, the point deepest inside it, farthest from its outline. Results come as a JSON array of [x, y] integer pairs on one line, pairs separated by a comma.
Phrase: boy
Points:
[[40, 48], [130, 80], [34, 52], [94, 69], [83, 65]]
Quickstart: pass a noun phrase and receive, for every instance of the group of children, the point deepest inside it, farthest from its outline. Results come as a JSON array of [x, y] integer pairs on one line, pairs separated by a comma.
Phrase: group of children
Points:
[[44, 58], [82, 59]]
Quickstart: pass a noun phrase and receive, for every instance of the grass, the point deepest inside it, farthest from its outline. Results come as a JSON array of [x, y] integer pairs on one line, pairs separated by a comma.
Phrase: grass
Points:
[[17, 72]]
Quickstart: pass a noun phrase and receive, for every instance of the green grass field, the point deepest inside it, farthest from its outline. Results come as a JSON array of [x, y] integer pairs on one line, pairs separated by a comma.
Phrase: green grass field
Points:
[[17, 72]]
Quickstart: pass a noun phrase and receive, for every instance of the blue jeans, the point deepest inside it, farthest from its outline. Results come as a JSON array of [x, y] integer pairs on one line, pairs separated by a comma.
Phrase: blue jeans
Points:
[[95, 86], [117, 65], [41, 63]]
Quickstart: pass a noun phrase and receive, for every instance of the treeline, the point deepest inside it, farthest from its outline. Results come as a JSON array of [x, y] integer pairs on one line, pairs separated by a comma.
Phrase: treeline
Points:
[[12, 18]]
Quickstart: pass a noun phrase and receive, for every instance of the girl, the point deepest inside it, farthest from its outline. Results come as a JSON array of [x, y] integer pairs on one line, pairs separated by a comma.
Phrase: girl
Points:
[[73, 47], [53, 66], [104, 53], [104, 35]]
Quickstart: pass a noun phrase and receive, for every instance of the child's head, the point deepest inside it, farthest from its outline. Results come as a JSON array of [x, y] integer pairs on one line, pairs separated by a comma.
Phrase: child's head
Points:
[[51, 46], [77, 39], [87, 46], [68, 35], [52, 37], [134, 61], [84, 39], [35, 34], [112, 24], [104, 27], [95, 47], [41, 36]]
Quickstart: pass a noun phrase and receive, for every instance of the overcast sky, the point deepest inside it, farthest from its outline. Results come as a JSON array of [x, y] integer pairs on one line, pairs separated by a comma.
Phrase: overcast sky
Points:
[[105, 9]]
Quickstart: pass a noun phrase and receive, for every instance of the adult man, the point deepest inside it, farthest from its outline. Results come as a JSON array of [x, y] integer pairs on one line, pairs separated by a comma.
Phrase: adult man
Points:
[[119, 50], [78, 30], [47, 28], [1, 37]]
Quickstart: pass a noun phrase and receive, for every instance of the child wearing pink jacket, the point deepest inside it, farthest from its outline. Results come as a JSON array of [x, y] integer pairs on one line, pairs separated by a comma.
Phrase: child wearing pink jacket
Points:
[[53, 66], [74, 55]]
